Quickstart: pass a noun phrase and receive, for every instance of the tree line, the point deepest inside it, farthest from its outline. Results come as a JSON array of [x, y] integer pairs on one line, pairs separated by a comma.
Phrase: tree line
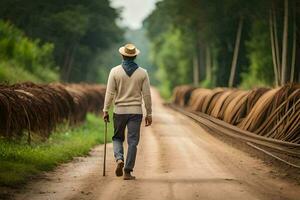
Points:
[[225, 43], [80, 31]]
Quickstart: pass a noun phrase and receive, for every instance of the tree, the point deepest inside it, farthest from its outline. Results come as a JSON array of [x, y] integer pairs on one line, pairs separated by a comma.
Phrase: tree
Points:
[[236, 52], [78, 29], [284, 67]]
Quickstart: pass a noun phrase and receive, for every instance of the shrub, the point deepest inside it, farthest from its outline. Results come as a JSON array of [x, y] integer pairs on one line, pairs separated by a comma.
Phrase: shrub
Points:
[[29, 55]]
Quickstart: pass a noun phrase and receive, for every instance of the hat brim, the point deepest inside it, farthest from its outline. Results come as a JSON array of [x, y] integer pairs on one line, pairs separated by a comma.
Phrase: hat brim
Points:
[[122, 51]]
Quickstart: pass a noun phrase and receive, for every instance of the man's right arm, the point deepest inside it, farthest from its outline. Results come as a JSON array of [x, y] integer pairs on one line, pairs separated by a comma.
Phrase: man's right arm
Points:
[[147, 100]]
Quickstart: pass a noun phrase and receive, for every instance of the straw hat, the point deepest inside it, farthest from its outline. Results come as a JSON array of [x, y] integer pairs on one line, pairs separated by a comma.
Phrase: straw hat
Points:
[[129, 50]]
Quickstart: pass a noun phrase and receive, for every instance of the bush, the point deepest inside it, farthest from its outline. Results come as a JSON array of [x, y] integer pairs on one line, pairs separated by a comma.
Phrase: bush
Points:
[[21, 54], [260, 72]]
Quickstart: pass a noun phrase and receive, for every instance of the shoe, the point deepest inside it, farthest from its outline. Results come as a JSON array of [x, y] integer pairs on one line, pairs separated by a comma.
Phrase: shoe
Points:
[[119, 169], [128, 176]]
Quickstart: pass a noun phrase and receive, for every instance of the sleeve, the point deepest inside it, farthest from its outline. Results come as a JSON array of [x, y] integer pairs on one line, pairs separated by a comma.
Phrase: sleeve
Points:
[[110, 91], [147, 95]]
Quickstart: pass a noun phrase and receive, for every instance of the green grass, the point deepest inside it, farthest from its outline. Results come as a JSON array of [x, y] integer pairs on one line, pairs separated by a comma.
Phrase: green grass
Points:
[[19, 161]]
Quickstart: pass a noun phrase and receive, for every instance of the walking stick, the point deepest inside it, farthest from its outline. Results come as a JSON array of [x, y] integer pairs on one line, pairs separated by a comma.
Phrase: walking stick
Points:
[[105, 137]]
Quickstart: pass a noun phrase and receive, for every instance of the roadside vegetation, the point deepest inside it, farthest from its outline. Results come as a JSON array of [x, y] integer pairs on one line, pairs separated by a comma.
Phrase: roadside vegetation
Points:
[[228, 43], [43, 125], [51, 42], [24, 59], [45, 41], [20, 161]]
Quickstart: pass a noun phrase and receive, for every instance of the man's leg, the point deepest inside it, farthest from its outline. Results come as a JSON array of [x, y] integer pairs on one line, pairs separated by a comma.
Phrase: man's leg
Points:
[[119, 135], [133, 136]]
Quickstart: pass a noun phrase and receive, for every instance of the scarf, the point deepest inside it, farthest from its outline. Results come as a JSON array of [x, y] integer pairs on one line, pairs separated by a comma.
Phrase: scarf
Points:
[[129, 67]]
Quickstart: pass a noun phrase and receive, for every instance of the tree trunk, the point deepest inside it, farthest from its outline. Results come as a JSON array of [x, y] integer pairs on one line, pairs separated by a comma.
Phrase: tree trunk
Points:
[[297, 57], [294, 48], [202, 64], [70, 64], [275, 65], [277, 50], [65, 64], [208, 64], [195, 70], [284, 77], [236, 52], [214, 66]]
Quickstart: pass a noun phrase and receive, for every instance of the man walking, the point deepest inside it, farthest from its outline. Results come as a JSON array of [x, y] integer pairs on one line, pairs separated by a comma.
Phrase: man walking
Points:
[[127, 85]]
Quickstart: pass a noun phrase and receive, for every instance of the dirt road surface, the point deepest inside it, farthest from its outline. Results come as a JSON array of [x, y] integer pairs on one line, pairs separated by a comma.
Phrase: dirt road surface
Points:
[[177, 160]]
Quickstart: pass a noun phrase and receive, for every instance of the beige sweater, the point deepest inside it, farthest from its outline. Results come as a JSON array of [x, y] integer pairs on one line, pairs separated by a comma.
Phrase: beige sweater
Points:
[[128, 92]]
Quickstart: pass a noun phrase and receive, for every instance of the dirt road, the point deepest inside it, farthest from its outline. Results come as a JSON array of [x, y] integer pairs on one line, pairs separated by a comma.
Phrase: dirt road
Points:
[[177, 159]]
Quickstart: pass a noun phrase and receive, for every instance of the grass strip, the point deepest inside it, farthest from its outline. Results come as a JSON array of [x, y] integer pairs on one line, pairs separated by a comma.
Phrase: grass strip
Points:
[[19, 161]]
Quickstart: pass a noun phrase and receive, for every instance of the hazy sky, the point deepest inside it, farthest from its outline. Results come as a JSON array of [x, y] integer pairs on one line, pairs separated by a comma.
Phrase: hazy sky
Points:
[[134, 11]]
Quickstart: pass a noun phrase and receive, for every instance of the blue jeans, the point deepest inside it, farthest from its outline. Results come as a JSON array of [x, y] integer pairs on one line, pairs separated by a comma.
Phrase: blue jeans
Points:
[[133, 123]]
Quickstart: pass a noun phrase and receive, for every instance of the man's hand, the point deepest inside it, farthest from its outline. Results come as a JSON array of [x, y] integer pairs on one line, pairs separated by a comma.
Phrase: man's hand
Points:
[[106, 117], [148, 120]]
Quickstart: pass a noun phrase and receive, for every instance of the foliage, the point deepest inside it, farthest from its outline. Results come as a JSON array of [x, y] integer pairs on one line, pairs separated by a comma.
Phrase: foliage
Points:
[[211, 27], [19, 161], [174, 61], [79, 30], [261, 68], [18, 51], [12, 73], [103, 66]]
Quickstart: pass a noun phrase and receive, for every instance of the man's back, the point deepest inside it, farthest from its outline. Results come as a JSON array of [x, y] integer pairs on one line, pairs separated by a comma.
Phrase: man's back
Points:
[[128, 91]]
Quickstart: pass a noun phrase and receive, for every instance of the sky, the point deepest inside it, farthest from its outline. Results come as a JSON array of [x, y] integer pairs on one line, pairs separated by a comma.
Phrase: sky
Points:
[[134, 11]]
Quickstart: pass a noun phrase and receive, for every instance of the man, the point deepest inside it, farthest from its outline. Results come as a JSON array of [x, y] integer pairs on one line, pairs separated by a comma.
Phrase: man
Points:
[[127, 84]]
